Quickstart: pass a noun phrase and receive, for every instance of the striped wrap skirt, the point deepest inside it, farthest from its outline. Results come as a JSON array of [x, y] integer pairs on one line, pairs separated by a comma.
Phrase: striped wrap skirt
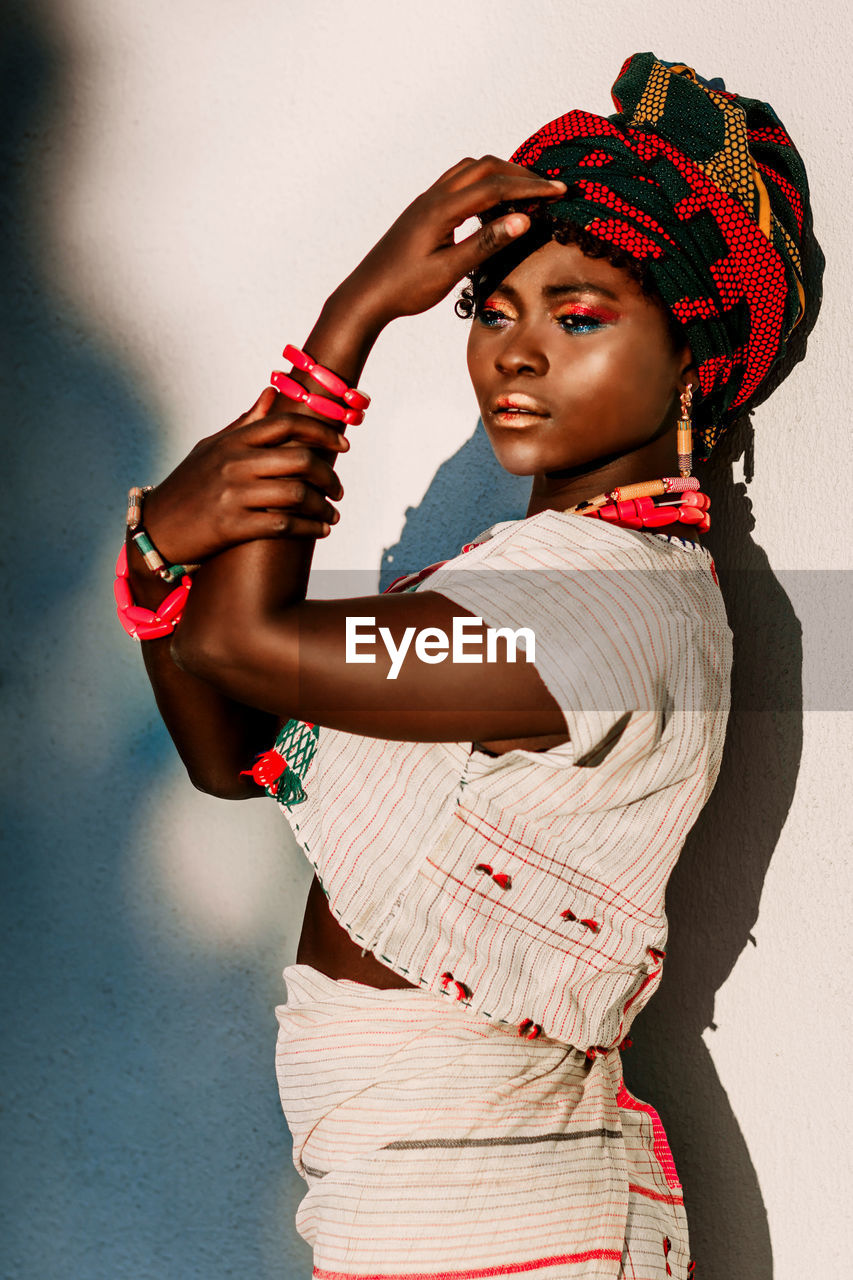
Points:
[[440, 1145]]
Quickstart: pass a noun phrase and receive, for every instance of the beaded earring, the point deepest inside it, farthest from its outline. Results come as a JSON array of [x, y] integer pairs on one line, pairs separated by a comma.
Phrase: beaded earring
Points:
[[685, 433]]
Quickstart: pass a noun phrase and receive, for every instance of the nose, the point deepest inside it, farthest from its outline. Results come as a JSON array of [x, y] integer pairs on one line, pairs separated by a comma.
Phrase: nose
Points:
[[522, 352]]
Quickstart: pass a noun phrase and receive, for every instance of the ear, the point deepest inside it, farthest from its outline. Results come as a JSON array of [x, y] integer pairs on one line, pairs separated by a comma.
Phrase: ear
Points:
[[689, 372]]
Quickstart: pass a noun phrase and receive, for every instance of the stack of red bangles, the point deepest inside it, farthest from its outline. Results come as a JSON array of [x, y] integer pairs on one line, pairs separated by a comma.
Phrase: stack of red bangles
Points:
[[351, 412], [151, 624]]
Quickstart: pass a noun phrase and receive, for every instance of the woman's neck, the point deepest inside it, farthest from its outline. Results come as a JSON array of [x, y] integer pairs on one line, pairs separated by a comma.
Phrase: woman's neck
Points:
[[560, 490]]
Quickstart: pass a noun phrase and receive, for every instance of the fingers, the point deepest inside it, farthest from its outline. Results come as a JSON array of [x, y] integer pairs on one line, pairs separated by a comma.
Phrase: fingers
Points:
[[282, 524], [484, 190], [468, 170], [457, 168], [262, 406], [290, 480], [480, 187], [469, 253], [279, 428], [297, 460], [292, 496], [500, 175]]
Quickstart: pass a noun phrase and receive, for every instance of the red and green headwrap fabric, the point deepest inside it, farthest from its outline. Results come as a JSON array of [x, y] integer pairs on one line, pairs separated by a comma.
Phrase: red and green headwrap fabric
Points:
[[708, 192]]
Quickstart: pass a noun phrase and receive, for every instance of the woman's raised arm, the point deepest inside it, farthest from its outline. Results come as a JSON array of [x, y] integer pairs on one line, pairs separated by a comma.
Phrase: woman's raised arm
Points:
[[260, 557]]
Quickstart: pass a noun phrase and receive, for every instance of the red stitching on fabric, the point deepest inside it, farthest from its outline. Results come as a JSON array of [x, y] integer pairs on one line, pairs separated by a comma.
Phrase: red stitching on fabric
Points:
[[478, 1273], [611, 897], [584, 952], [568, 914], [462, 992], [635, 996], [654, 1195], [589, 955], [500, 878], [628, 1102]]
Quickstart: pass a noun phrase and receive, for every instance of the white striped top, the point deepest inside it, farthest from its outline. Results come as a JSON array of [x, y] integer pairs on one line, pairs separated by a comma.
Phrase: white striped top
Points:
[[568, 929]]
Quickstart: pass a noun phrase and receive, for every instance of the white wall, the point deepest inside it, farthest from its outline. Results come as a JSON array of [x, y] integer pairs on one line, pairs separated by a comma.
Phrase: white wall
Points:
[[186, 183]]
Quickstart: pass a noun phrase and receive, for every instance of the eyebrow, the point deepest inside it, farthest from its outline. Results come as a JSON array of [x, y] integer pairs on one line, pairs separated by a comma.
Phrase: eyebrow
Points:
[[559, 290]]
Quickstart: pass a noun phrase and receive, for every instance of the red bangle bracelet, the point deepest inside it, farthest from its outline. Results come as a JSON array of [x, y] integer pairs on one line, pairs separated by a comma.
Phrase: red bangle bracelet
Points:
[[146, 624], [318, 404], [350, 395]]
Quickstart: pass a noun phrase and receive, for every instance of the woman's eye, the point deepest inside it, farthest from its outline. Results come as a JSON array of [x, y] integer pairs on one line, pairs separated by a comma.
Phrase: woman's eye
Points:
[[490, 317], [580, 324]]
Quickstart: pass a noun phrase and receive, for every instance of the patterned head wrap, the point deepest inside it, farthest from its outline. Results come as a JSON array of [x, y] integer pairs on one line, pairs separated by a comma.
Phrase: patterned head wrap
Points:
[[707, 191]]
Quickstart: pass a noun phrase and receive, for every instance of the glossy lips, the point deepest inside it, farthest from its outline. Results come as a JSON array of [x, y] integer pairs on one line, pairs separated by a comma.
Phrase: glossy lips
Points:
[[518, 411]]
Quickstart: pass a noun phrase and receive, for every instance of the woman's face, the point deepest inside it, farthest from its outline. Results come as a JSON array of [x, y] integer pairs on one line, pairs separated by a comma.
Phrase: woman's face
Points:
[[573, 367]]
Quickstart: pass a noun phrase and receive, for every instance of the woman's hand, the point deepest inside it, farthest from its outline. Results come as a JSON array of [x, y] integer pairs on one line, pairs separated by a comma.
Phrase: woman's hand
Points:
[[417, 262], [264, 476]]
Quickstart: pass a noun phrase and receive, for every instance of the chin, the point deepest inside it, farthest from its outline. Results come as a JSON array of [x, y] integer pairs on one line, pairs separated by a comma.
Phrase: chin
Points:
[[524, 459], [517, 457], [515, 466]]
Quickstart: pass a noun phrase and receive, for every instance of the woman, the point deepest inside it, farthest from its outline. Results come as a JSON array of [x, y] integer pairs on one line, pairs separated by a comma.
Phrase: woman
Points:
[[493, 831]]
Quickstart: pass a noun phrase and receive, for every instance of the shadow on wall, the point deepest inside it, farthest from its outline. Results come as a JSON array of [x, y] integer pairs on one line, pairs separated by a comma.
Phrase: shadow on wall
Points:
[[714, 893], [140, 1111], [713, 901], [469, 493]]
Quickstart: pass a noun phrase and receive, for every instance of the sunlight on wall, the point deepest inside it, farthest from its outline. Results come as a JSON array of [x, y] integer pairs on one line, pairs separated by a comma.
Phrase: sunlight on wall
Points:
[[231, 872]]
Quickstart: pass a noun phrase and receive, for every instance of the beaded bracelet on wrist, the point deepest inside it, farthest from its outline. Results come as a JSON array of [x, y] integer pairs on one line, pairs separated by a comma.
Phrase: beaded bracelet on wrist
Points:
[[147, 624], [170, 573]]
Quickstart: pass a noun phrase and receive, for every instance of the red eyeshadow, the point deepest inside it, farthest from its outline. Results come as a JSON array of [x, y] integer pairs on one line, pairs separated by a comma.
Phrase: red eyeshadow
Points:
[[592, 313]]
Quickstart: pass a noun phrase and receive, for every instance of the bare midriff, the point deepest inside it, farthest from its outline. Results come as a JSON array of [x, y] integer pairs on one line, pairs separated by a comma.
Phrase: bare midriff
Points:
[[326, 945]]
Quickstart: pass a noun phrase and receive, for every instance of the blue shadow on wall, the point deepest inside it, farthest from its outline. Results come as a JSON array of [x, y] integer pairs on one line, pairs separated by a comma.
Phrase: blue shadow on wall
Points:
[[468, 493], [142, 1134]]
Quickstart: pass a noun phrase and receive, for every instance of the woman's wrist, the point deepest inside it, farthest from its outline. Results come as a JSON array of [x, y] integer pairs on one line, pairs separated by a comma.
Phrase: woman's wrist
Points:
[[147, 588], [343, 337]]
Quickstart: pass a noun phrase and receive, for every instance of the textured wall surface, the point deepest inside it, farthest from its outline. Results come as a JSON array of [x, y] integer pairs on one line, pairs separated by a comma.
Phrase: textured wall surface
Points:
[[182, 185]]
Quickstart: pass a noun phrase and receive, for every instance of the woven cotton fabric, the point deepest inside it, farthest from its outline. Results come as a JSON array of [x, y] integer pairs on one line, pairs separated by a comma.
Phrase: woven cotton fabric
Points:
[[632, 641], [707, 190], [438, 1146]]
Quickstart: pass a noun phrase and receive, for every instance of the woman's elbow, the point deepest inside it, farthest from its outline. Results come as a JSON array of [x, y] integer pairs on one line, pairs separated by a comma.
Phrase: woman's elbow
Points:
[[221, 782], [225, 788]]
